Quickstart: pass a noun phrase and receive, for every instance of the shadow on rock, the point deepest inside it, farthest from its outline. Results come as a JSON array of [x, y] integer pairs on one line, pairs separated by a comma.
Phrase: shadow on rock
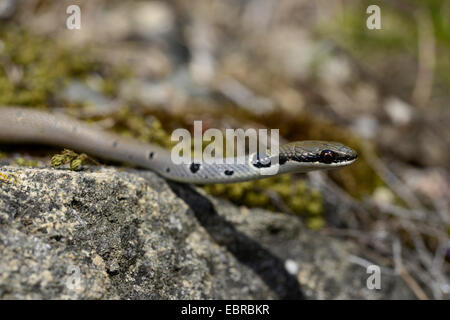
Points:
[[248, 251]]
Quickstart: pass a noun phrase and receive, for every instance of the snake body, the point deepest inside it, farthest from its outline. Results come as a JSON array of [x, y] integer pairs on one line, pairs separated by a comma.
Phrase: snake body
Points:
[[22, 125]]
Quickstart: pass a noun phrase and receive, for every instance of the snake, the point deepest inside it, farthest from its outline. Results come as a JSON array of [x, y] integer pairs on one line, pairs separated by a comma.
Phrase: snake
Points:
[[25, 125]]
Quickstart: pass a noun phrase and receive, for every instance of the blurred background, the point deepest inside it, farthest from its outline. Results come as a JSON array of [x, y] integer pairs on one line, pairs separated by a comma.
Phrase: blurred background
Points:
[[309, 68]]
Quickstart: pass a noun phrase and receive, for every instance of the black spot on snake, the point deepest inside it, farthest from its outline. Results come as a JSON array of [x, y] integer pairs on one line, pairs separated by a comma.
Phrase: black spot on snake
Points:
[[151, 154], [167, 169], [194, 167], [229, 172]]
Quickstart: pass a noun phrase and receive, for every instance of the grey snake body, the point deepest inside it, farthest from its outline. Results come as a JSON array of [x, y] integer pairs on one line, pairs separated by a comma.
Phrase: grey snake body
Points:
[[22, 125]]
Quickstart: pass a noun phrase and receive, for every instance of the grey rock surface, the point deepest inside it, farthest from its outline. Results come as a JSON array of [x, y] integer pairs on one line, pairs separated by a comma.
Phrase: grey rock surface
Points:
[[104, 233]]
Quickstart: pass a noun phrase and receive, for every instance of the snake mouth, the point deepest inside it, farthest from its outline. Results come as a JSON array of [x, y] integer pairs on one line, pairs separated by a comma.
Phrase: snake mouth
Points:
[[348, 161], [347, 158]]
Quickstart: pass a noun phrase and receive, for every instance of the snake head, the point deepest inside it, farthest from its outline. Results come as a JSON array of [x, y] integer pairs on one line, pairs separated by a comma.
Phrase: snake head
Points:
[[312, 154]]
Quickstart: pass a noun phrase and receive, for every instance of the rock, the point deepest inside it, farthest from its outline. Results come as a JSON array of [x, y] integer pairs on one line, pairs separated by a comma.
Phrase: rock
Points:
[[105, 233]]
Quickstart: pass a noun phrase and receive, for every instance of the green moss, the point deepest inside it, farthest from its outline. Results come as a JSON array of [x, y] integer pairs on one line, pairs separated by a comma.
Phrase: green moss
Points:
[[275, 193], [142, 126], [34, 67], [75, 159], [25, 162], [315, 223]]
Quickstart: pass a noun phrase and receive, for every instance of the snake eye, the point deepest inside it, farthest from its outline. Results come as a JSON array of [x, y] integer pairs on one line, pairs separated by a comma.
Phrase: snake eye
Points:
[[327, 156]]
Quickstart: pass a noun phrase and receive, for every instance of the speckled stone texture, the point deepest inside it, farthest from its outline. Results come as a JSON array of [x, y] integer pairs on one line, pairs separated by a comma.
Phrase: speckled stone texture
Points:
[[104, 233]]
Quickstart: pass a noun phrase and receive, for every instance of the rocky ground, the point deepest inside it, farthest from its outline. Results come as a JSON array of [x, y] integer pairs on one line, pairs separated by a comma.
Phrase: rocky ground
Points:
[[110, 233]]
